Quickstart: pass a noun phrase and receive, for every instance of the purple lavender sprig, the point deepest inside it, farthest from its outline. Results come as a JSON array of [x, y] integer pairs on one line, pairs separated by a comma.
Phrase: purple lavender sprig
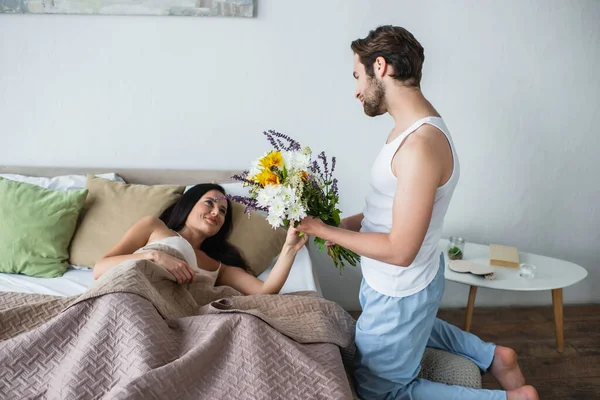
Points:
[[323, 159], [334, 187], [275, 138], [250, 203], [243, 177], [272, 141], [315, 168], [314, 183], [333, 161]]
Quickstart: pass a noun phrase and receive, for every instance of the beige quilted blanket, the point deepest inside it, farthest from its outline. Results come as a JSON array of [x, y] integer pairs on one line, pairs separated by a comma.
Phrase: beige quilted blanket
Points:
[[137, 334]]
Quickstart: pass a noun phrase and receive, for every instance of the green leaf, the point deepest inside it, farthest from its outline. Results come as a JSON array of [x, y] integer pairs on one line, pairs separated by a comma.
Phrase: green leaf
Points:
[[336, 217]]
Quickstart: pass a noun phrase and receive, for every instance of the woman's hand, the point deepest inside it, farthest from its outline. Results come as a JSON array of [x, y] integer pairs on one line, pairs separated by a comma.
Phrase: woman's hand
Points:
[[293, 238], [178, 268], [248, 284]]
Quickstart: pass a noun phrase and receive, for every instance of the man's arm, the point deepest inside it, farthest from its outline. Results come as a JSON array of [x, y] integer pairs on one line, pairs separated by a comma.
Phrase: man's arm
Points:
[[419, 172]]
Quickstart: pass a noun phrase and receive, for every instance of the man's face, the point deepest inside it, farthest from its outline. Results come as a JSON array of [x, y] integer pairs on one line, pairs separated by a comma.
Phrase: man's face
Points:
[[369, 90]]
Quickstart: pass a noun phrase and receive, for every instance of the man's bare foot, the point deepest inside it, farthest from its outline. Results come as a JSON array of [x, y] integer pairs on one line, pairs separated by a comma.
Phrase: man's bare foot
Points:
[[523, 393], [506, 369]]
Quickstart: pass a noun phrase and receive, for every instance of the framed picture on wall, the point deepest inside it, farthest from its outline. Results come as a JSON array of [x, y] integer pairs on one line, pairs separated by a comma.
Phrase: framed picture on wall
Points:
[[191, 8]]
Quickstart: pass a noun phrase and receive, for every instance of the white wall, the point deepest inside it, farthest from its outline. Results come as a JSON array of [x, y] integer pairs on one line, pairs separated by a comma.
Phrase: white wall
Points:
[[517, 82]]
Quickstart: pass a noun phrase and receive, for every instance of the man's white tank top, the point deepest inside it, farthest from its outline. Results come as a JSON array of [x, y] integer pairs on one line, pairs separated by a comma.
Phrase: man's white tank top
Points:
[[393, 280]]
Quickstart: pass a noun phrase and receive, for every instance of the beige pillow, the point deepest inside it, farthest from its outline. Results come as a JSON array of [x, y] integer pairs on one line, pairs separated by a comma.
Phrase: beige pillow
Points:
[[111, 208], [258, 242]]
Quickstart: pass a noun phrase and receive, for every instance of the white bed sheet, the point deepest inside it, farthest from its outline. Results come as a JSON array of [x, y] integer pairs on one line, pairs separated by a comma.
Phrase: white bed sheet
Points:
[[76, 281]]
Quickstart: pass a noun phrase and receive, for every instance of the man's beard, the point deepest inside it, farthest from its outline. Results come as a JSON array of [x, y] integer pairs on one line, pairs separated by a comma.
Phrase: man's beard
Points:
[[374, 102]]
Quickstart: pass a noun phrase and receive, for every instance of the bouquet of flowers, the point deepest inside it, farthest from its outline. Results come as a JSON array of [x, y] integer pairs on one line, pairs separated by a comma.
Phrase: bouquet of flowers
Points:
[[288, 185]]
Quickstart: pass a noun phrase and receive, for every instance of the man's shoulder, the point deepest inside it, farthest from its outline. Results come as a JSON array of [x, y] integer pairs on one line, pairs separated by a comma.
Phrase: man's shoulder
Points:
[[425, 138], [426, 146]]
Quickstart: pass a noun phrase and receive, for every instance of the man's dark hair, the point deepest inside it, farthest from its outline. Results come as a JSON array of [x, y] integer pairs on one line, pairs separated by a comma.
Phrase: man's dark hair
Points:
[[398, 47]]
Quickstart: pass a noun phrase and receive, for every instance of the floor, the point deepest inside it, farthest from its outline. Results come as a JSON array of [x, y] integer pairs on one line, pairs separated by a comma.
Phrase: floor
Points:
[[572, 375]]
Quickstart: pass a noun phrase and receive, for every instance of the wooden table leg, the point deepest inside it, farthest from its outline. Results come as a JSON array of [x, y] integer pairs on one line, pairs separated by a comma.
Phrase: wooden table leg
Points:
[[557, 302], [470, 306]]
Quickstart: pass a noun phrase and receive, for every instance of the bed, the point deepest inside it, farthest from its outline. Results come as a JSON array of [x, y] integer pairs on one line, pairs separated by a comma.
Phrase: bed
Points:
[[136, 334]]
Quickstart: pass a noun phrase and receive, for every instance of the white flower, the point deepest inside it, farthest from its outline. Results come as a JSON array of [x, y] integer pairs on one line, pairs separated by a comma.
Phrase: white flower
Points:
[[296, 212], [263, 199], [287, 195], [288, 159], [302, 161], [277, 207], [255, 168], [274, 220], [295, 160], [267, 195], [273, 190]]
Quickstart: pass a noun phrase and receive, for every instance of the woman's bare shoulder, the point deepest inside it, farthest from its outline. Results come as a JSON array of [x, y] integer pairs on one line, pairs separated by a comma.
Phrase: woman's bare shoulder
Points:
[[153, 224]]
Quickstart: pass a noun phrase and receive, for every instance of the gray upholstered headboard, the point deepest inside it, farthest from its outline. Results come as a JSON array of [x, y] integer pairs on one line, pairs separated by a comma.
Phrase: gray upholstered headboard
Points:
[[141, 176]]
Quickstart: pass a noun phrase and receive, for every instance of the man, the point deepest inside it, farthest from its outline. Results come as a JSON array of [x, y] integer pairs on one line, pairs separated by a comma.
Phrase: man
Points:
[[412, 182]]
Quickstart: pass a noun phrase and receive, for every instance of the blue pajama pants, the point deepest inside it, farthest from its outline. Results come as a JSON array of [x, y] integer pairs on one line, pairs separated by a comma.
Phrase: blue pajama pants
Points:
[[391, 336]]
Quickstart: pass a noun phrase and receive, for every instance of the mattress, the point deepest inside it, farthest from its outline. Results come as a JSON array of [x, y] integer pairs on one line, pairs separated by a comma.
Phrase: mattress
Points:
[[76, 280]]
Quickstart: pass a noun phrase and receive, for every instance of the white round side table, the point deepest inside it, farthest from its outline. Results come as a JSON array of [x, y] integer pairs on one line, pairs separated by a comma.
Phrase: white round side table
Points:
[[550, 274]]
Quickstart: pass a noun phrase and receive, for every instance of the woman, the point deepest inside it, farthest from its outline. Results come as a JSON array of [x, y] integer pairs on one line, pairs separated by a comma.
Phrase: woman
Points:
[[198, 226]]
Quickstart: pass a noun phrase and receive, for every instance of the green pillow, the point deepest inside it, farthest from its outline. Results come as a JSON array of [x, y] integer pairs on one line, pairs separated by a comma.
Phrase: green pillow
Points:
[[36, 227]]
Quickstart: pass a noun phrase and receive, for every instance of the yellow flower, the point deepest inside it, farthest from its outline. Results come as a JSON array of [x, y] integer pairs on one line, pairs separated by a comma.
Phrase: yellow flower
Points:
[[267, 177], [273, 159]]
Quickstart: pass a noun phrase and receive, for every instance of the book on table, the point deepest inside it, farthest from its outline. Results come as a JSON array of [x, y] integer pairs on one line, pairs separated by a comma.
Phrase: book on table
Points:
[[504, 256]]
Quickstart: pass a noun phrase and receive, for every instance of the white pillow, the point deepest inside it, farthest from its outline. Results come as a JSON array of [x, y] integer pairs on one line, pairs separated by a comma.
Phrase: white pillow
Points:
[[62, 183], [236, 189]]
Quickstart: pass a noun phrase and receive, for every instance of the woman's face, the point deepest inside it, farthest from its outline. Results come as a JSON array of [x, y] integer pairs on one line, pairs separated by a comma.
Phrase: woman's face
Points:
[[208, 215]]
